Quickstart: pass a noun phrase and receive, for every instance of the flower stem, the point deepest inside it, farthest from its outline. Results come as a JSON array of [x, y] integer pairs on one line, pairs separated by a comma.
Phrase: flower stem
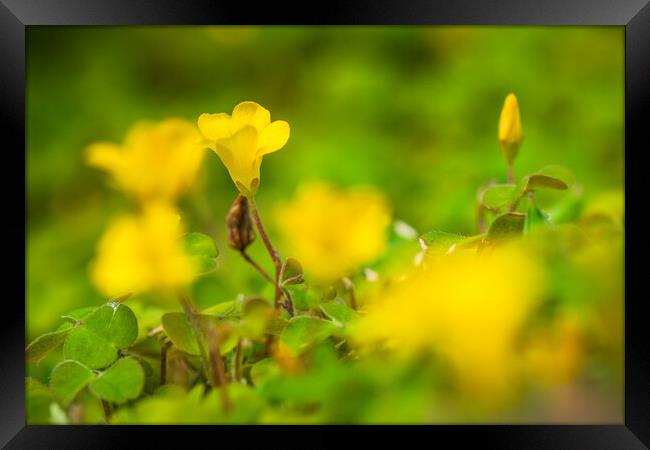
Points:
[[192, 316], [164, 346], [257, 267], [218, 368], [511, 172], [236, 367], [349, 286], [275, 256]]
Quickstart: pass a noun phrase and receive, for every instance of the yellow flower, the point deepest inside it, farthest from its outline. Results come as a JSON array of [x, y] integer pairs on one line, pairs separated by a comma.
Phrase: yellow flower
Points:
[[156, 161], [142, 253], [464, 307], [510, 132], [241, 140], [330, 231], [555, 355]]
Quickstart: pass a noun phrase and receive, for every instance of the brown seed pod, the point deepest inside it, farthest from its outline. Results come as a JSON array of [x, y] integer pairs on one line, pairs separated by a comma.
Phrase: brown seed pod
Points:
[[240, 225]]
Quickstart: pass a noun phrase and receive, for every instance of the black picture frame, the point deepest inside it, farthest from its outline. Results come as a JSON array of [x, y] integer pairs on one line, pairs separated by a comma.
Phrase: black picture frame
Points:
[[634, 15]]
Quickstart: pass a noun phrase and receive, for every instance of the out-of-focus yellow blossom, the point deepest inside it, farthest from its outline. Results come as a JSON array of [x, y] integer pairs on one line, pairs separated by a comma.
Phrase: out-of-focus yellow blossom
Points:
[[555, 354], [142, 253], [241, 141], [332, 231], [510, 132], [157, 161], [466, 308]]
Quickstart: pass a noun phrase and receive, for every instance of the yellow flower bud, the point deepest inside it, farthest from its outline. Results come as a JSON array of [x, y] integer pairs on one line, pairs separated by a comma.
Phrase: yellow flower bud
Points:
[[241, 140], [510, 132]]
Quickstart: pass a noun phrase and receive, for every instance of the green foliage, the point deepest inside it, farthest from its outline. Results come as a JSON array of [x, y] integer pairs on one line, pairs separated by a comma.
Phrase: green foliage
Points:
[[44, 344], [292, 272], [202, 250], [96, 340], [339, 311], [302, 332], [551, 177], [122, 381], [505, 226], [180, 331], [500, 195], [68, 378]]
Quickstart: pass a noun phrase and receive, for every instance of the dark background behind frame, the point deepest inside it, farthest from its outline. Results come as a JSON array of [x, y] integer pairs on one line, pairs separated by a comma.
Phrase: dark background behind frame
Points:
[[635, 14]]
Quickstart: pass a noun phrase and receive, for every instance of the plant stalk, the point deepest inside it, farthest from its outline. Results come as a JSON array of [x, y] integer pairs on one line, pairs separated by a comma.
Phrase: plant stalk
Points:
[[275, 256]]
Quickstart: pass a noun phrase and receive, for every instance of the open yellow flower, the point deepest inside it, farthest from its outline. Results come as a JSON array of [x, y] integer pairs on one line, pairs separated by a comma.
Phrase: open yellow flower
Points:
[[510, 133], [241, 140], [157, 161], [142, 253], [331, 231], [464, 307]]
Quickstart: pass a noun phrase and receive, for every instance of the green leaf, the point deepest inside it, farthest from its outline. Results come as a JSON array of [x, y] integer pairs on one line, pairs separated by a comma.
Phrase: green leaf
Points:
[[305, 299], [264, 369], [202, 250], [78, 314], [40, 347], [506, 226], [68, 378], [37, 402], [339, 311], [96, 340], [123, 381], [302, 331], [551, 177], [178, 328], [292, 272], [442, 241], [535, 218], [500, 195]]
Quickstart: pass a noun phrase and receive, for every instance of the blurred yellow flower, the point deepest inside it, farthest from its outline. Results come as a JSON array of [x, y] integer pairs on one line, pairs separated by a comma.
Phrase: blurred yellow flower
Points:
[[555, 354], [331, 231], [241, 141], [142, 253], [511, 134], [464, 307], [156, 161]]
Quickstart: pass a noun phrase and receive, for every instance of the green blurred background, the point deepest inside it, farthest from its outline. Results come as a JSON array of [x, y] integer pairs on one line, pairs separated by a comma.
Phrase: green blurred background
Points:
[[411, 110]]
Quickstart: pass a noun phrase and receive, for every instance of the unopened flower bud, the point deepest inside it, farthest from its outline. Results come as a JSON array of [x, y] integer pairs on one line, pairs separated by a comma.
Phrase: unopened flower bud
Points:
[[510, 132], [240, 225]]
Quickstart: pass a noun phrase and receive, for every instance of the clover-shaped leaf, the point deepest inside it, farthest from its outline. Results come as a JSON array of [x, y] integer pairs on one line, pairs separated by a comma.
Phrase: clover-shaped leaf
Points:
[[121, 382], [303, 331], [506, 226], [179, 329], [551, 177], [291, 272], [202, 250], [68, 378], [339, 311], [96, 339], [40, 347], [441, 241], [499, 195]]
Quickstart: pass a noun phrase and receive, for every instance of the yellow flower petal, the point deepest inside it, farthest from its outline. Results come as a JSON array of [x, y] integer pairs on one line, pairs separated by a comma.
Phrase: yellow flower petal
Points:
[[215, 126], [238, 155], [273, 137], [103, 155], [250, 113]]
